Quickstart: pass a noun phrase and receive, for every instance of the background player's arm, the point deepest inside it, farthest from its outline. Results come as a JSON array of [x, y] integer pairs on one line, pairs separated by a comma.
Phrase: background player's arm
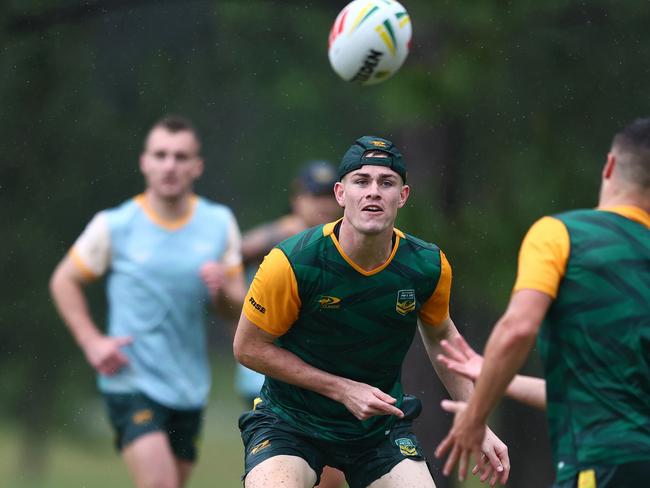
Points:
[[224, 278], [460, 358], [255, 349], [102, 352], [259, 241], [231, 296]]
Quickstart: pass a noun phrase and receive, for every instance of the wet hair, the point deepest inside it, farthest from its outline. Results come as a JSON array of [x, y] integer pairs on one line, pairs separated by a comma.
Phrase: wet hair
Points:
[[632, 147]]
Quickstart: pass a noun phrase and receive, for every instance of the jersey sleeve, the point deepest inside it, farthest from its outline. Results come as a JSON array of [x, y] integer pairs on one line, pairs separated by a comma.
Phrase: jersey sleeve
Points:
[[543, 257], [232, 258], [91, 252], [436, 308], [272, 302]]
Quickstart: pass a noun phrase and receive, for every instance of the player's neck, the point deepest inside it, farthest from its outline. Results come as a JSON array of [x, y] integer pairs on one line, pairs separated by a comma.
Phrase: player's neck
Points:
[[615, 197], [368, 251], [168, 208]]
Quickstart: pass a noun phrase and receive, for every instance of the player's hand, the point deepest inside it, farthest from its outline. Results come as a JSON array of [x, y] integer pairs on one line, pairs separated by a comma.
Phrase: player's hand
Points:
[[468, 437], [495, 455], [460, 358], [213, 275], [105, 355], [365, 401]]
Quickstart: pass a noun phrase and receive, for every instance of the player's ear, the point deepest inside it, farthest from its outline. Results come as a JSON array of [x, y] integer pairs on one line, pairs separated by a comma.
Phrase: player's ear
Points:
[[609, 166], [339, 193], [143, 164], [199, 167], [404, 195]]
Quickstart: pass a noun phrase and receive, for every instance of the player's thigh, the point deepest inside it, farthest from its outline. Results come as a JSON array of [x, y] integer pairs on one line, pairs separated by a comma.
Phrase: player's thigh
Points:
[[406, 474], [151, 462], [282, 470], [272, 442]]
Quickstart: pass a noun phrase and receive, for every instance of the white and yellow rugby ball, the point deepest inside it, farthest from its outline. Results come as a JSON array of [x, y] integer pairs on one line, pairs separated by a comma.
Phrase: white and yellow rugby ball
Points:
[[369, 40]]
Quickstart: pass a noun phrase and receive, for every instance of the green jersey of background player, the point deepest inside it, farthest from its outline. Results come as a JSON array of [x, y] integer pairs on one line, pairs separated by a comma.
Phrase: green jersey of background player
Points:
[[328, 319], [582, 289]]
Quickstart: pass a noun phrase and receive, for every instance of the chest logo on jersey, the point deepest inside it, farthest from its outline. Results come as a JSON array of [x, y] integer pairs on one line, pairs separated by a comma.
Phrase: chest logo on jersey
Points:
[[405, 301], [327, 302]]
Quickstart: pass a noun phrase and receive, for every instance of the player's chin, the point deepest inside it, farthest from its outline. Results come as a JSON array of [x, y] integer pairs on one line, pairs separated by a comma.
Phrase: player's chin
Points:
[[374, 227]]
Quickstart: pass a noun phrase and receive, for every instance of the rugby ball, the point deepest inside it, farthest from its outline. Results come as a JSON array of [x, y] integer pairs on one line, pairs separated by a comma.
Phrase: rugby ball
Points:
[[369, 40]]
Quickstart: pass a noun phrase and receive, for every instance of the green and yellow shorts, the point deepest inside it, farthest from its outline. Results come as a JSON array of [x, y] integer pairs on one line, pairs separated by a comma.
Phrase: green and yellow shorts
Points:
[[266, 435], [133, 415]]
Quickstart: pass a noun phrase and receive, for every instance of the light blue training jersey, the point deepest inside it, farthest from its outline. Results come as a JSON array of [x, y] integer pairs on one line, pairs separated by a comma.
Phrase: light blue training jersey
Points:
[[156, 295]]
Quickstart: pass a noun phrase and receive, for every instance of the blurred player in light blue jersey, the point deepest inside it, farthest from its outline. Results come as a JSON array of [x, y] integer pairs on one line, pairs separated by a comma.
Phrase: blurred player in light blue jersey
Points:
[[169, 254]]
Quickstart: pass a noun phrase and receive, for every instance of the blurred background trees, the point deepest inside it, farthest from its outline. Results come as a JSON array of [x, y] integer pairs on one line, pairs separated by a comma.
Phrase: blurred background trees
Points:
[[504, 111]]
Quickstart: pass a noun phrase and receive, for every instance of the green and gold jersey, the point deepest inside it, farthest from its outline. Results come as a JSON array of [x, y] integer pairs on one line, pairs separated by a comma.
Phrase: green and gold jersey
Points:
[[595, 343], [349, 322]]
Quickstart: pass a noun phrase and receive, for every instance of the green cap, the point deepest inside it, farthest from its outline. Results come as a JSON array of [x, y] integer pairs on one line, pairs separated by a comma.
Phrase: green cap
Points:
[[354, 158]]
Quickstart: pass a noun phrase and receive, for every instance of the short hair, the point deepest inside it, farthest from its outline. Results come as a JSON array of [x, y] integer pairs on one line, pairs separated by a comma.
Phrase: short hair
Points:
[[176, 123], [632, 146]]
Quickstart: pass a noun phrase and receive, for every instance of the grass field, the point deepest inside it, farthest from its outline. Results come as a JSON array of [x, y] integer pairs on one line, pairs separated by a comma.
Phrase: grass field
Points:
[[89, 461]]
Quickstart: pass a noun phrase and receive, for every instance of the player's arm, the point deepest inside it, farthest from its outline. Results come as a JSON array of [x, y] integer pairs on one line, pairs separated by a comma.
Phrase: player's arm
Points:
[[259, 241], [542, 262], [255, 349], [87, 260], [461, 388], [506, 350], [460, 358], [224, 278], [271, 307], [230, 299]]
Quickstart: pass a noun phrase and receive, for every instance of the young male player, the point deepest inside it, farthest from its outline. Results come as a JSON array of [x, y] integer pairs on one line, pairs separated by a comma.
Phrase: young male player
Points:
[[328, 319], [169, 254], [583, 288]]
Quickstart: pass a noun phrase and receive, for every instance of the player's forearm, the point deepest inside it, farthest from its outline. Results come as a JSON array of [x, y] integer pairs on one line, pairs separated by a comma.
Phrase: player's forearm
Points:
[[72, 306], [284, 365], [230, 298], [505, 353], [459, 387], [528, 390]]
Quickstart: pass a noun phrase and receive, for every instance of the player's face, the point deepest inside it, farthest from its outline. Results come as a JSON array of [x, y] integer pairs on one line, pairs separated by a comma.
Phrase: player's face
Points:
[[370, 197], [170, 163], [316, 209]]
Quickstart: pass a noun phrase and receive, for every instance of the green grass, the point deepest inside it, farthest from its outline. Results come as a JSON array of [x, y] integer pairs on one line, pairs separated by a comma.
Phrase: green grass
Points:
[[89, 461]]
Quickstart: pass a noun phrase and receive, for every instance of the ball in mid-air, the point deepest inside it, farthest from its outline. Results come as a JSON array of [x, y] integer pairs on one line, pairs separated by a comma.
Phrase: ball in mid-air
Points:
[[369, 40]]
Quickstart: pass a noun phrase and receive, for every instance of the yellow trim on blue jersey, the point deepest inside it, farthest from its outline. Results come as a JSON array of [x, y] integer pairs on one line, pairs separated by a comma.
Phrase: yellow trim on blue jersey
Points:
[[173, 224], [79, 263]]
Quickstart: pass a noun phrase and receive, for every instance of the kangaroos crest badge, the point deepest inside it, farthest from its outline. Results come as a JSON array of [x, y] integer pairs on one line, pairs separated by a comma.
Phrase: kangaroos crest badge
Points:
[[405, 301], [406, 447]]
